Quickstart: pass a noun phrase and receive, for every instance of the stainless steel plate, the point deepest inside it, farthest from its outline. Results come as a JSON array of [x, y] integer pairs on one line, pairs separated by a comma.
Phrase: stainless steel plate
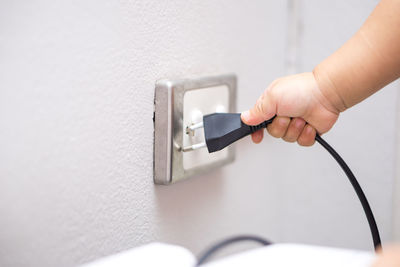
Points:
[[168, 128]]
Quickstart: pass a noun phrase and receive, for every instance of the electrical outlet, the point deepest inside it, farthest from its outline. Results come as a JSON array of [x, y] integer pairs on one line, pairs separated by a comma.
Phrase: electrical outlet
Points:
[[179, 104], [196, 104]]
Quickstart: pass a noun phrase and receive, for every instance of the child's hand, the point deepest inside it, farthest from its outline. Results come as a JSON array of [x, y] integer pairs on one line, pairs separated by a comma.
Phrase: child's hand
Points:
[[389, 258], [300, 106]]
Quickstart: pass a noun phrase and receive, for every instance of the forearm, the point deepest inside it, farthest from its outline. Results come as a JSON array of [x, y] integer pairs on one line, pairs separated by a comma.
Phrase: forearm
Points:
[[365, 63]]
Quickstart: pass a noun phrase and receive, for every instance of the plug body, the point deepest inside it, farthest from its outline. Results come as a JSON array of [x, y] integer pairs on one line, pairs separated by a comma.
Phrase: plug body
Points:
[[223, 129]]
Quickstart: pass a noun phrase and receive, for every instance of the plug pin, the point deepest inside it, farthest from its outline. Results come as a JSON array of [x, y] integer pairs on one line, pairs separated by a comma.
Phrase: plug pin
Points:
[[194, 147], [190, 129]]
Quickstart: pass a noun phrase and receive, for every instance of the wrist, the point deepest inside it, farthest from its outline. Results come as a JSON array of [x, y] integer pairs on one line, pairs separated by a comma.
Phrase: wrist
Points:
[[328, 89]]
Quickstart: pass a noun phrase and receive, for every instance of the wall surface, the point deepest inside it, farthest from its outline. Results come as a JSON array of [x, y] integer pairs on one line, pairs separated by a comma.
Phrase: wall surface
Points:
[[76, 132]]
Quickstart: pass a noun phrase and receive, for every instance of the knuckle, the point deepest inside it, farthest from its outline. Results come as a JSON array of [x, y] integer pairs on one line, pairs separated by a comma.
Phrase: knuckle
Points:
[[298, 124], [309, 143], [303, 142], [307, 137], [280, 132], [273, 130], [289, 139], [290, 136]]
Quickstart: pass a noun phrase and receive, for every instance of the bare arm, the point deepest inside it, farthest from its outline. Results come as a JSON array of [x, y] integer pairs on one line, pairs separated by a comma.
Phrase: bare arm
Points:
[[367, 62], [310, 103]]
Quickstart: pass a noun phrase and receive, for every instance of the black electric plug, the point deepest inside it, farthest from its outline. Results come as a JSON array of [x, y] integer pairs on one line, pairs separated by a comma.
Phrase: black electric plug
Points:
[[222, 129]]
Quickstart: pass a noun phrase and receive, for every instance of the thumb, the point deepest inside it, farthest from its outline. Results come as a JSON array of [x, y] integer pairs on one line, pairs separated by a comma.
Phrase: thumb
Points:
[[263, 110]]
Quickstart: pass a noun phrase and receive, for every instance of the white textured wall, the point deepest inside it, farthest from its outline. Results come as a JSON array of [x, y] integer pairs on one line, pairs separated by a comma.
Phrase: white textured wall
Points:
[[76, 132]]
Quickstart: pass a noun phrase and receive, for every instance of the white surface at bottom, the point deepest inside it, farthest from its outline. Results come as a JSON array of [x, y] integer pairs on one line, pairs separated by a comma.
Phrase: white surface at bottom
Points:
[[154, 254], [294, 255], [278, 255]]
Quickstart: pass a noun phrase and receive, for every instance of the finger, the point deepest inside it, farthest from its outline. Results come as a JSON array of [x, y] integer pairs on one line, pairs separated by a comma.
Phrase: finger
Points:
[[257, 136], [278, 127], [294, 130], [264, 109], [307, 136]]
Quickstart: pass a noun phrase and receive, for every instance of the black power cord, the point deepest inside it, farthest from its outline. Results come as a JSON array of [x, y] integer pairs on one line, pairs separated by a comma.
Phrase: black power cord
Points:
[[222, 129], [211, 251], [361, 196]]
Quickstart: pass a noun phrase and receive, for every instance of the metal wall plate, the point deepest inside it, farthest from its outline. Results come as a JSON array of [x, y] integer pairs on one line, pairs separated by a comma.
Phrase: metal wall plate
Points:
[[168, 126]]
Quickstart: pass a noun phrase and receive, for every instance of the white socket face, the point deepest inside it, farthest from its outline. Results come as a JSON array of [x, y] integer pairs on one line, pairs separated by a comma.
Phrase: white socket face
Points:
[[197, 103]]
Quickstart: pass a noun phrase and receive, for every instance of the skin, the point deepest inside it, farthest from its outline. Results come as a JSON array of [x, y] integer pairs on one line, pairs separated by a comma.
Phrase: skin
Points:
[[309, 103], [390, 257]]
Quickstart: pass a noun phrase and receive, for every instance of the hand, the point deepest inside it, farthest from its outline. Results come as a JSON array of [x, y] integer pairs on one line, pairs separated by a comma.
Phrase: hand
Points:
[[301, 108], [390, 257]]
